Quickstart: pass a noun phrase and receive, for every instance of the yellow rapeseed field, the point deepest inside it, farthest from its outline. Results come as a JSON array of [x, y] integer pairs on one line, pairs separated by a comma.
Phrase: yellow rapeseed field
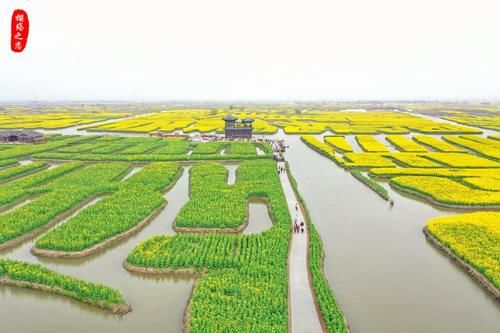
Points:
[[474, 237], [437, 144], [370, 144], [290, 120], [339, 143], [405, 144], [485, 183], [446, 191], [54, 118]]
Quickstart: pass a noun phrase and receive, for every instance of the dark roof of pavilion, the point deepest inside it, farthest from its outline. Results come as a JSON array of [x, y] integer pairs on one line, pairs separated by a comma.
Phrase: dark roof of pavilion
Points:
[[247, 120], [27, 133], [230, 118]]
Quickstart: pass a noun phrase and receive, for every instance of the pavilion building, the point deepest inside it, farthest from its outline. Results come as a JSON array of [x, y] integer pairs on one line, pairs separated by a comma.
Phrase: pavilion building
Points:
[[22, 136], [235, 129]]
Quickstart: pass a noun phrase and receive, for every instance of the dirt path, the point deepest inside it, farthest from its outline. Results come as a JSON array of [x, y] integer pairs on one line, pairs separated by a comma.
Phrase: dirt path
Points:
[[303, 314]]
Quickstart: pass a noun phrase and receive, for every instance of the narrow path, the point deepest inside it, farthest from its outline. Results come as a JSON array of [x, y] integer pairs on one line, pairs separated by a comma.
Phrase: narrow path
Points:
[[304, 317]]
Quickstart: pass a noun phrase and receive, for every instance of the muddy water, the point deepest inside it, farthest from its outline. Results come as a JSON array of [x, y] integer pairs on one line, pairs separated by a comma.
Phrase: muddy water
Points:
[[231, 175], [385, 275], [382, 139], [258, 218], [485, 131], [158, 302], [351, 139], [79, 129], [132, 172], [76, 130]]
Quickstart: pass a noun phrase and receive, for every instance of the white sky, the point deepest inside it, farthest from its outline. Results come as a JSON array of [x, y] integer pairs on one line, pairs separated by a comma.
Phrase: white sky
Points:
[[253, 49]]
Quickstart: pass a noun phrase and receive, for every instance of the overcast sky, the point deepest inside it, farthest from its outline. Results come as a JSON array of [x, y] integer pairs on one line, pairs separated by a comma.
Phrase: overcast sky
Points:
[[253, 49]]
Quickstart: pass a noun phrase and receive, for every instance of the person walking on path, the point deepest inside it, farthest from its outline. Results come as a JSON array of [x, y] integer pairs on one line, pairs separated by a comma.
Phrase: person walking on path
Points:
[[303, 314]]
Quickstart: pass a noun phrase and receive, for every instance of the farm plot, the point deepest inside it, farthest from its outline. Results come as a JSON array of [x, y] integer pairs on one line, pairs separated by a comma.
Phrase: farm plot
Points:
[[243, 278], [322, 148], [488, 121], [488, 148], [371, 145], [55, 118], [7, 162], [366, 160], [292, 122], [153, 150], [446, 191], [128, 208], [462, 160], [56, 198], [405, 144], [30, 185], [21, 274], [18, 151], [475, 239], [437, 144], [434, 172], [5, 174], [339, 143], [413, 160], [247, 279], [227, 204]]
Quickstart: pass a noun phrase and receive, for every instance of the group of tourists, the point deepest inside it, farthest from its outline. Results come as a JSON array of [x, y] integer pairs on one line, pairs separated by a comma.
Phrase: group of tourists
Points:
[[297, 227], [281, 169]]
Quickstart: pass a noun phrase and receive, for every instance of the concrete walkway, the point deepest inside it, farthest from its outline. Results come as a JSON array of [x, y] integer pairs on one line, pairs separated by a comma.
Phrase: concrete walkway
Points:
[[304, 317]]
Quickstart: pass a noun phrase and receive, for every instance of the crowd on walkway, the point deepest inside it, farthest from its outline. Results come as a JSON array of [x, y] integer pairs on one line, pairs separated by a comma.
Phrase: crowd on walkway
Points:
[[298, 226]]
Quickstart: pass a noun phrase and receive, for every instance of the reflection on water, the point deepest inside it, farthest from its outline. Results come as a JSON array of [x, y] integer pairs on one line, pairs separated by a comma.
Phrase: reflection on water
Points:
[[385, 275]]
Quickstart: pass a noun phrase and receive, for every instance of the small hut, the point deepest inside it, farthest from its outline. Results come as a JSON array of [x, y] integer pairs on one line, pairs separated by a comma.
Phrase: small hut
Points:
[[21, 136], [235, 129]]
